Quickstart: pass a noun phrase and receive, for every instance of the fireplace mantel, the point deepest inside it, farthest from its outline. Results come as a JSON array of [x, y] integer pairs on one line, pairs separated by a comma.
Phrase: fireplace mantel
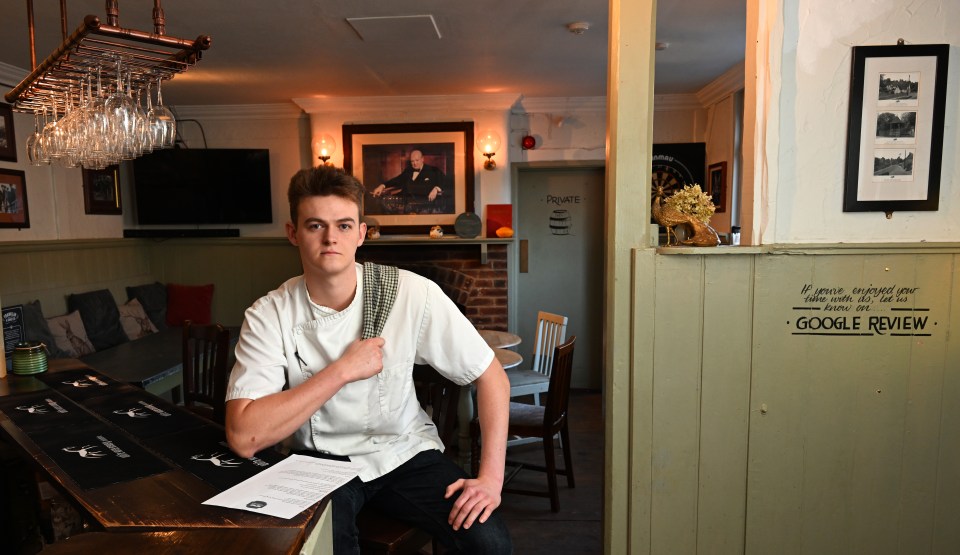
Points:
[[477, 285], [446, 240]]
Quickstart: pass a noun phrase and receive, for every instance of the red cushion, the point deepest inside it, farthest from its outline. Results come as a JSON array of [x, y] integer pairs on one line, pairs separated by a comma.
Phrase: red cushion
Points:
[[189, 302]]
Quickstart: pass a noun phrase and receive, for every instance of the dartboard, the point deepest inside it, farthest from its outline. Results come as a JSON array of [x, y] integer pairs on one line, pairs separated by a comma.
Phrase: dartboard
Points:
[[670, 173]]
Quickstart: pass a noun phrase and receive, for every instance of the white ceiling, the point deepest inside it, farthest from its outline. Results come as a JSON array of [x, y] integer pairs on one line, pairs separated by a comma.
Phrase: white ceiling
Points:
[[272, 52]]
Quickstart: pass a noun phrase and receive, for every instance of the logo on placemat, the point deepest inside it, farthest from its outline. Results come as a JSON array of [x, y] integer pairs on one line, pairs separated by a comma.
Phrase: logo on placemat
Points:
[[86, 381], [216, 460], [135, 412], [86, 452], [35, 409]]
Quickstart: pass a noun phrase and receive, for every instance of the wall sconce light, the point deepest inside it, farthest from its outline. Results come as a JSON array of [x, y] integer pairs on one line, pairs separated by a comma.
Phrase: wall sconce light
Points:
[[326, 146], [488, 142]]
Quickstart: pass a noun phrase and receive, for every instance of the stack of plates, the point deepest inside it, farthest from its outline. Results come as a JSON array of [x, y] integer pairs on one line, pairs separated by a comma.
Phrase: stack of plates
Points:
[[29, 357]]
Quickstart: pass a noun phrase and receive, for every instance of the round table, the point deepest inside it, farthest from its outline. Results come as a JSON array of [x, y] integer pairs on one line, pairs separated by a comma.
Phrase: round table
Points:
[[500, 339], [508, 359]]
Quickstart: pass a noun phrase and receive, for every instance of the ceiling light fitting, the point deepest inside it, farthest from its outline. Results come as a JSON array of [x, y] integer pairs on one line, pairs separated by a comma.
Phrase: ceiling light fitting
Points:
[[578, 27], [96, 63]]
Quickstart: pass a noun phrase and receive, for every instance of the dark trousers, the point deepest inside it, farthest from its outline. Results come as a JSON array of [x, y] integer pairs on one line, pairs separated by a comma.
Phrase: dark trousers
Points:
[[413, 492]]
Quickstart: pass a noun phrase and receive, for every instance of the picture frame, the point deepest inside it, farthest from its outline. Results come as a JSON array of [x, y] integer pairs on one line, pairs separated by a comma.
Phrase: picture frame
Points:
[[380, 154], [8, 138], [101, 191], [895, 128], [14, 211], [717, 185]]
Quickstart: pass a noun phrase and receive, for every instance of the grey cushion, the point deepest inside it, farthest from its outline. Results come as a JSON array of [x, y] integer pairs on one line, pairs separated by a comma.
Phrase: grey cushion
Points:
[[100, 316], [35, 328], [153, 299]]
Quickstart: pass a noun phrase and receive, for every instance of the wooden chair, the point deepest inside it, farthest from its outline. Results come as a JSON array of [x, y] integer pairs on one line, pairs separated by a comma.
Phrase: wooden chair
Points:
[[551, 331], [383, 534], [543, 421], [205, 354]]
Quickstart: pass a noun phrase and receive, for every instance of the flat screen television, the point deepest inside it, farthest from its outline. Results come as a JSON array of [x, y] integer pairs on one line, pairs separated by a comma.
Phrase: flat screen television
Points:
[[203, 186]]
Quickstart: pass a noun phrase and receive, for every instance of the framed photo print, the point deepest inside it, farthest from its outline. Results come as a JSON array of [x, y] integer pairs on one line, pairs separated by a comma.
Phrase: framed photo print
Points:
[[13, 199], [717, 185], [895, 128], [416, 175], [101, 191], [8, 140]]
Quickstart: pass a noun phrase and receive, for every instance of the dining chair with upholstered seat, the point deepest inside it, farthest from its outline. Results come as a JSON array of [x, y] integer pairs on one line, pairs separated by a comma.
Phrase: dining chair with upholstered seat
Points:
[[381, 534], [551, 331], [545, 422], [206, 350]]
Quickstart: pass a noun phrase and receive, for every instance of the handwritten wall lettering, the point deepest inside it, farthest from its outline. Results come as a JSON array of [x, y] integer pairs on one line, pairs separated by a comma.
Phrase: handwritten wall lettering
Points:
[[872, 310], [560, 200]]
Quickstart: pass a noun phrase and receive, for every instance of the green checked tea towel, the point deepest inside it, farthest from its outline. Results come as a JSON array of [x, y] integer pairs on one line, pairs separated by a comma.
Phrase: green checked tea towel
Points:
[[379, 292]]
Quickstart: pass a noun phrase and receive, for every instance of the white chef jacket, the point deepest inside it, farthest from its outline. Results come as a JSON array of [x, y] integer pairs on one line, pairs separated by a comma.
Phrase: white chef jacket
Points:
[[286, 338]]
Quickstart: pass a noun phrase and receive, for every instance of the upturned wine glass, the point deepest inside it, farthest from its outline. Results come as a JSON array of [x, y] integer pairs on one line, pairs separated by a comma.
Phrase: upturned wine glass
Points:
[[33, 141], [120, 112], [162, 121]]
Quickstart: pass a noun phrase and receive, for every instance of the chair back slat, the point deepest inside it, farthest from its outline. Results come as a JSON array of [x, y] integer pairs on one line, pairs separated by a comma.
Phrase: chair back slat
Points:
[[559, 393], [205, 353], [551, 331]]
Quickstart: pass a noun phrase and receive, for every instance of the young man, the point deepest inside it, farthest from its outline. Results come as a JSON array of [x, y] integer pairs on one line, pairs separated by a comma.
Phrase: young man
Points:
[[304, 377]]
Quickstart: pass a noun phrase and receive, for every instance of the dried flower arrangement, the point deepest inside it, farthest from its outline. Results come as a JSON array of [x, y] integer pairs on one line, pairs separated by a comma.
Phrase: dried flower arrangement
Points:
[[691, 200]]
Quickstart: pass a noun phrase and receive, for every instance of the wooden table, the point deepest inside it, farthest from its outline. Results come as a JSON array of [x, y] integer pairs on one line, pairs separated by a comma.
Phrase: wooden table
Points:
[[466, 410], [507, 358], [166, 506], [153, 363], [500, 339]]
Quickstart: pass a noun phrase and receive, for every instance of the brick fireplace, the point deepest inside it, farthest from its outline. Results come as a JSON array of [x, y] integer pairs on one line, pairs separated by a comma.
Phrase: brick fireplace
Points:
[[479, 290]]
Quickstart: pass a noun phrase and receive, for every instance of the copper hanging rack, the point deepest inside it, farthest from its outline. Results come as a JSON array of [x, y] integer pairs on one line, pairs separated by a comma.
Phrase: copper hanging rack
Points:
[[97, 45]]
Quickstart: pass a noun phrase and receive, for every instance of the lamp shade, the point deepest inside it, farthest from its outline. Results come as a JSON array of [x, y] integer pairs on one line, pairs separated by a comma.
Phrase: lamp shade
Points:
[[326, 146], [488, 142]]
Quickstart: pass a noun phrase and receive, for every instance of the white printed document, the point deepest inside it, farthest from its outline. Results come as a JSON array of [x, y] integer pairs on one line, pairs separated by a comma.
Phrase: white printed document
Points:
[[288, 487]]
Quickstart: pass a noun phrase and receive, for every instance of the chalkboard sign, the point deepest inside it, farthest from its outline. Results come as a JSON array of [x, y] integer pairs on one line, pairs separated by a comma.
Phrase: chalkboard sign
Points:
[[12, 328]]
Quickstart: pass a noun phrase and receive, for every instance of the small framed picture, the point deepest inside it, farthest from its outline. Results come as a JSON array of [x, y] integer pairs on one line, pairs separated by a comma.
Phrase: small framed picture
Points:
[[8, 140], [717, 185], [895, 127], [13, 199], [101, 191]]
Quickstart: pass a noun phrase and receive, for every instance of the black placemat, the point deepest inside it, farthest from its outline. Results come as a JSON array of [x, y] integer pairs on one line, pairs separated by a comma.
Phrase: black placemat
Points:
[[141, 414], [203, 452], [94, 454], [43, 410], [80, 385]]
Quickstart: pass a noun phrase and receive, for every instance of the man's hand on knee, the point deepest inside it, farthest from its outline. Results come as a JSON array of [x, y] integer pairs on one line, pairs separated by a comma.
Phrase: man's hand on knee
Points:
[[477, 501]]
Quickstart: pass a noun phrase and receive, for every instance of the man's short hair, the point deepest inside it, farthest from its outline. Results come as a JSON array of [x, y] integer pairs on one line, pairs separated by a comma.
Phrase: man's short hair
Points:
[[323, 181]]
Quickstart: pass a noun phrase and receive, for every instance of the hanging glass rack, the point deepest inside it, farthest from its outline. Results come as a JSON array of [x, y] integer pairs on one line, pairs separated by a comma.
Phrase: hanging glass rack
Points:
[[146, 56]]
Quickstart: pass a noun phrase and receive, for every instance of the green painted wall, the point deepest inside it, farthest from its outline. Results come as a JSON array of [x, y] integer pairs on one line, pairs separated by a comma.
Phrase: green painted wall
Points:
[[768, 435], [242, 269]]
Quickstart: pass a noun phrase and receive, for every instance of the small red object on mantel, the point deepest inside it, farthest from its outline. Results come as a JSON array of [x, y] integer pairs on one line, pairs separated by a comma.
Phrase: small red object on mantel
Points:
[[528, 142], [498, 215]]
